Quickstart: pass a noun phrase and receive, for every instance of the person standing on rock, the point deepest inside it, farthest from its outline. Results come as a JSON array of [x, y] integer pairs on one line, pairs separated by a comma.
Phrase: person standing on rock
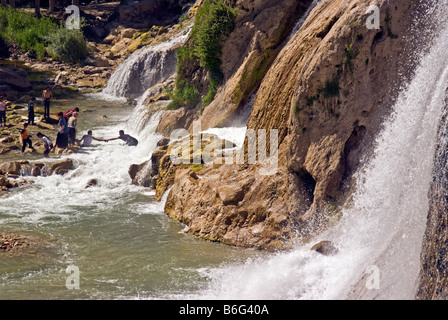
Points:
[[72, 124], [62, 136], [70, 112], [130, 141], [2, 111], [31, 110], [46, 98], [26, 138]]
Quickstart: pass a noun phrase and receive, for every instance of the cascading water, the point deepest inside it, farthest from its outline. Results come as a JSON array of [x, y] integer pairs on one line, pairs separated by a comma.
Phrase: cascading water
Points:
[[125, 247], [144, 68], [114, 232], [380, 235], [303, 18]]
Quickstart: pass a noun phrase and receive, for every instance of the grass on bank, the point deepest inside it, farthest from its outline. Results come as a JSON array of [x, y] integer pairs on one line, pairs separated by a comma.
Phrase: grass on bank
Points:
[[214, 20], [41, 37]]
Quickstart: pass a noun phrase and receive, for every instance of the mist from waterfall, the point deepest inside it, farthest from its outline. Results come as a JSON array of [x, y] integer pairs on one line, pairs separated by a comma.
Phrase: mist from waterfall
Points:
[[379, 236]]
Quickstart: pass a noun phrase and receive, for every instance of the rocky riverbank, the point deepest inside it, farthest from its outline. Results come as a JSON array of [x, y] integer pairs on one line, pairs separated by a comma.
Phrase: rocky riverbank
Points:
[[110, 41], [15, 174]]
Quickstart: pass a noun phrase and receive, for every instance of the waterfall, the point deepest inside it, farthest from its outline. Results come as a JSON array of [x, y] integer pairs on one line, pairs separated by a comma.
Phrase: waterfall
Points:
[[141, 75], [144, 68], [434, 259], [303, 18], [379, 236]]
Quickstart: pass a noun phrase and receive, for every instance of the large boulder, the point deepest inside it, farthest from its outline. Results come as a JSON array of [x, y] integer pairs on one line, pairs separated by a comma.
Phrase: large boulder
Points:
[[12, 167], [141, 174], [62, 167], [13, 78]]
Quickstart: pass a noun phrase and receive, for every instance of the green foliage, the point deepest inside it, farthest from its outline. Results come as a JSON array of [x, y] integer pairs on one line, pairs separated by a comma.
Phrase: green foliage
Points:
[[331, 88], [41, 36], [68, 45], [185, 95], [27, 31], [215, 80], [213, 21]]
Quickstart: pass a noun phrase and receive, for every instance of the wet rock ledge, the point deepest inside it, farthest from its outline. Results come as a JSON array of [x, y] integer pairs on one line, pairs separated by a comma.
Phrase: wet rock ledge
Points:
[[14, 174]]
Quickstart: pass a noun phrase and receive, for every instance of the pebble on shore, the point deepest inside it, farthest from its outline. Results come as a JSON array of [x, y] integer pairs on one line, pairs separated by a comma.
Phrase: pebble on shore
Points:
[[10, 242]]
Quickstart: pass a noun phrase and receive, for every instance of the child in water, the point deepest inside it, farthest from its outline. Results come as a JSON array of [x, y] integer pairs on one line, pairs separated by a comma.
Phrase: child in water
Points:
[[86, 139], [47, 143]]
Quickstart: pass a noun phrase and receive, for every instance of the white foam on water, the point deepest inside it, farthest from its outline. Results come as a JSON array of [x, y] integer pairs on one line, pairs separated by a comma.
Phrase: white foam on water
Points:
[[385, 224]]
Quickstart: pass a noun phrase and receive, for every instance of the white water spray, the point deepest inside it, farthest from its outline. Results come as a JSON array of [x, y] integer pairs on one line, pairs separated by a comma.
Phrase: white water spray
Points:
[[383, 229], [144, 68]]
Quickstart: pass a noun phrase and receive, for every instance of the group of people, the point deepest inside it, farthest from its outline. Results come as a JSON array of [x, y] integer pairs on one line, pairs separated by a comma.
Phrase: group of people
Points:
[[67, 129], [68, 121], [46, 98]]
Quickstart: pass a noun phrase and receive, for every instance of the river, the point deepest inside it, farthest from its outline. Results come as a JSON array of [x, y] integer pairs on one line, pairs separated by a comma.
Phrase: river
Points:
[[115, 233], [125, 247]]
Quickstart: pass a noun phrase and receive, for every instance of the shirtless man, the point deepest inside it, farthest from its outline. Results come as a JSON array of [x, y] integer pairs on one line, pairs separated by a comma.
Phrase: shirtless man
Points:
[[86, 139], [130, 141], [46, 97]]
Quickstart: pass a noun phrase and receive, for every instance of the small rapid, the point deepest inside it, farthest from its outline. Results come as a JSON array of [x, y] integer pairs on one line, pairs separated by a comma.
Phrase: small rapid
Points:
[[115, 232], [144, 68]]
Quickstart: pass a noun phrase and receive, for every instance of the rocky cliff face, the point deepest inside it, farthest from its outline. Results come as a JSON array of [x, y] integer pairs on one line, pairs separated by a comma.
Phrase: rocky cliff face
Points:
[[326, 91], [262, 28], [433, 282]]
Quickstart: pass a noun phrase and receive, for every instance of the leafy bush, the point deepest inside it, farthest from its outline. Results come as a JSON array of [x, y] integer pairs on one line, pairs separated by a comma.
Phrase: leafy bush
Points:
[[186, 95], [35, 35], [213, 21], [215, 80], [68, 45], [24, 29]]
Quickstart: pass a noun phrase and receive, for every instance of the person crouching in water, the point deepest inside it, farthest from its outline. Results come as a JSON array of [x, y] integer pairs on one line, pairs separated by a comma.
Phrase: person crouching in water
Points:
[[26, 138], [86, 139], [47, 143], [130, 141], [62, 136]]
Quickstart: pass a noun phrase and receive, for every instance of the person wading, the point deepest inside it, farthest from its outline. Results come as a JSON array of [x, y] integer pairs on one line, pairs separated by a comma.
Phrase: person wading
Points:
[[130, 141]]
